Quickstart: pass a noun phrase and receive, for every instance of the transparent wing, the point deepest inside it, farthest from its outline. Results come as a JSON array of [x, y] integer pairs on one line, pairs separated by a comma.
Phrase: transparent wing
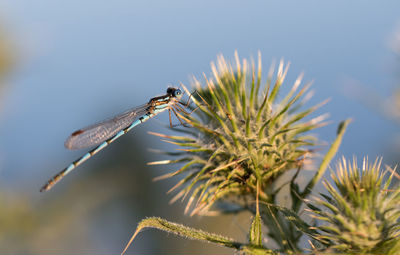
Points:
[[99, 132]]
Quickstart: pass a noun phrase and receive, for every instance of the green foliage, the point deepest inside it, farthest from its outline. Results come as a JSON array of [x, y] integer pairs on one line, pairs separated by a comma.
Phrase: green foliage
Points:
[[255, 235], [183, 231], [199, 235], [249, 149]]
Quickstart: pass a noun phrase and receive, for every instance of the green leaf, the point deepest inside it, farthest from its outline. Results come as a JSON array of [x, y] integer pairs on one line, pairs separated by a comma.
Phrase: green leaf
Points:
[[183, 231], [255, 236], [256, 250], [327, 159]]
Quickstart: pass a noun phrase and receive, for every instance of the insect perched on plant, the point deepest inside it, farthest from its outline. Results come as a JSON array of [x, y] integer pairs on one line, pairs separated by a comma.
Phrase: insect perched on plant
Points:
[[107, 131]]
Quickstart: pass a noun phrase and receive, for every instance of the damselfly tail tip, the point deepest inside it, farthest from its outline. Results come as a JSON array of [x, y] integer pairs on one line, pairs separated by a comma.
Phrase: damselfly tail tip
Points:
[[46, 187]]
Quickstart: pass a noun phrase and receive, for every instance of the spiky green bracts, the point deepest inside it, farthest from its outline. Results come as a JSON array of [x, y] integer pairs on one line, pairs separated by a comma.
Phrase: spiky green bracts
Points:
[[241, 136], [360, 215]]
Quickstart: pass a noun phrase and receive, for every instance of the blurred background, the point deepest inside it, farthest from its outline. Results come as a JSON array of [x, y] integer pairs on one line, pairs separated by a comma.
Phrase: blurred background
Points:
[[67, 64]]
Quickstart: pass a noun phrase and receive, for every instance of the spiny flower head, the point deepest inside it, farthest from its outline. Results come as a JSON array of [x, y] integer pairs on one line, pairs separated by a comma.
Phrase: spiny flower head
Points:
[[362, 212], [241, 135]]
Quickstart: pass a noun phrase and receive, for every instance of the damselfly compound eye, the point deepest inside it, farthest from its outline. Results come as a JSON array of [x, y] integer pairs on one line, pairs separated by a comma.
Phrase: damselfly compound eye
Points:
[[177, 92]]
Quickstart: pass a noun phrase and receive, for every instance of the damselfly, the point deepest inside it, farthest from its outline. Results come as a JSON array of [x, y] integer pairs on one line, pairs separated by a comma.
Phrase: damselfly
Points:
[[108, 131]]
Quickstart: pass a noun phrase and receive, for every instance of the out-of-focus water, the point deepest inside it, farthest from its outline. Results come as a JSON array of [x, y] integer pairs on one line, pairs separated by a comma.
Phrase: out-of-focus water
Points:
[[82, 61]]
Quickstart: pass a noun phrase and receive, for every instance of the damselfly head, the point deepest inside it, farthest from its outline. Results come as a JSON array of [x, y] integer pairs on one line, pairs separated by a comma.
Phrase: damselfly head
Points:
[[174, 92]]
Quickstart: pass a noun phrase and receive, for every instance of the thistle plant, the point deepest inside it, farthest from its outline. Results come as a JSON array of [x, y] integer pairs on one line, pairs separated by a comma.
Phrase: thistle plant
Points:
[[244, 143], [243, 139], [360, 213]]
